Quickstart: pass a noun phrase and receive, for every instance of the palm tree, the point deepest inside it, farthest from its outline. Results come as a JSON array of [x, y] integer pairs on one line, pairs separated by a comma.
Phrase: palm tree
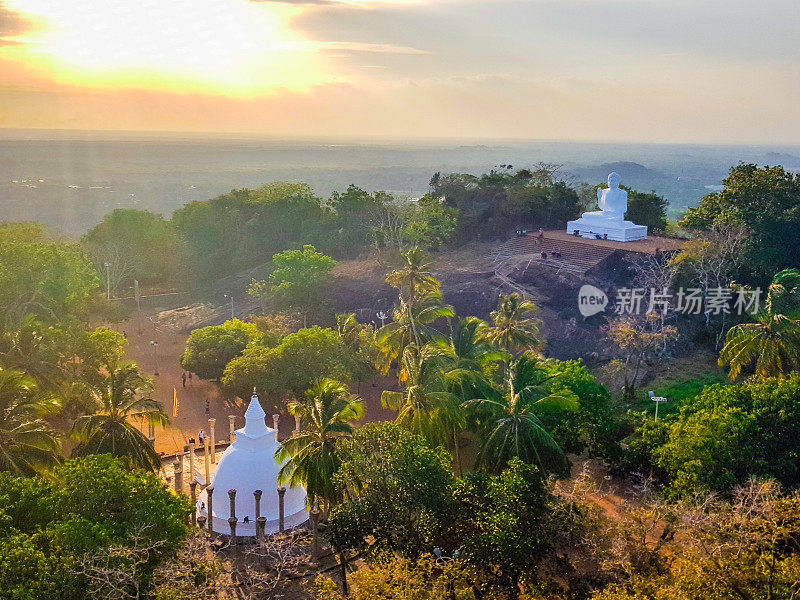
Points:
[[511, 428], [470, 347], [414, 281], [118, 403], [783, 295], [512, 328], [30, 348], [310, 455], [425, 407], [415, 276], [773, 340], [471, 363], [27, 443], [412, 324]]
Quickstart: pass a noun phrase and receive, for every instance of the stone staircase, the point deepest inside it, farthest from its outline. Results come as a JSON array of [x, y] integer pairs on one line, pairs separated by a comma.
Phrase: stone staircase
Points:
[[577, 257]]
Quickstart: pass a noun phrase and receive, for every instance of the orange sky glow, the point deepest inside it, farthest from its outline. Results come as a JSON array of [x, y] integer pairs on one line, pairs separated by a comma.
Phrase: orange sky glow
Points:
[[624, 70]]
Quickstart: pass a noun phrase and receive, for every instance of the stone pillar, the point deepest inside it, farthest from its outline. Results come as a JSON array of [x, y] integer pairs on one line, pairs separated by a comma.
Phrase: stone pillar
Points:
[[210, 507], [257, 494], [261, 526], [232, 496], [232, 422], [201, 521], [192, 474], [211, 424], [297, 424], [193, 489], [281, 509], [275, 420], [177, 468], [232, 523], [151, 433], [206, 460]]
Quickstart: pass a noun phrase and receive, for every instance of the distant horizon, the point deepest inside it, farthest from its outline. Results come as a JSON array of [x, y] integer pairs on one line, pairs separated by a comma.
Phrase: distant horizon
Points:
[[80, 134]]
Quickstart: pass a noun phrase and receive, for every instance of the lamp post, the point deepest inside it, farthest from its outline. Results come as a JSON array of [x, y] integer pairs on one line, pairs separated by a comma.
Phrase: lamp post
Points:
[[154, 345], [382, 316], [657, 399], [108, 280], [229, 297]]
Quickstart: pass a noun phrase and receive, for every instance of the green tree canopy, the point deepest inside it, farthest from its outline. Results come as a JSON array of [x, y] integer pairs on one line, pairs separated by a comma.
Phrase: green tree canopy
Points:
[[766, 201], [50, 278], [244, 228], [503, 525], [210, 349], [397, 489], [647, 208], [298, 277], [87, 515], [137, 244], [290, 368], [729, 433]]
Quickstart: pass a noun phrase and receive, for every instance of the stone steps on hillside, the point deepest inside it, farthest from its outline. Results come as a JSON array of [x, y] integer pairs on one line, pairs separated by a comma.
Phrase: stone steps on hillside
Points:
[[576, 257]]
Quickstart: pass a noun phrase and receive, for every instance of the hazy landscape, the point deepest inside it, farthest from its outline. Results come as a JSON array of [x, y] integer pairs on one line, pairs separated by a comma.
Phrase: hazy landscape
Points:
[[70, 180]]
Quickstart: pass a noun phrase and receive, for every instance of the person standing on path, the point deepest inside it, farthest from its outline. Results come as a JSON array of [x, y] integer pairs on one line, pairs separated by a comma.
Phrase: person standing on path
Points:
[[183, 378], [202, 437]]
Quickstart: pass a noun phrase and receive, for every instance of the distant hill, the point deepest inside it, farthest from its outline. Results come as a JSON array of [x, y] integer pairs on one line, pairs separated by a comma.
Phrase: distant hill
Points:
[[633, 174]]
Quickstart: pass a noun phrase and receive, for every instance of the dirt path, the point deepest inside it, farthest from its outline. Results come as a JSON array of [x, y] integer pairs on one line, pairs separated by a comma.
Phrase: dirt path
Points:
[[193, 398], [165, 359]]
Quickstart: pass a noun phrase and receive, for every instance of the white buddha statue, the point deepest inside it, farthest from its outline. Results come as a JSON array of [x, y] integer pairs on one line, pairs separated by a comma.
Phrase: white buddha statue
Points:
[[608, 222], [612, 200]]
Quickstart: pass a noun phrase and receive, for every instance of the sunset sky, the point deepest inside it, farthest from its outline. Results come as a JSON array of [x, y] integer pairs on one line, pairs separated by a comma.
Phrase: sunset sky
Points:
[[623, 70]]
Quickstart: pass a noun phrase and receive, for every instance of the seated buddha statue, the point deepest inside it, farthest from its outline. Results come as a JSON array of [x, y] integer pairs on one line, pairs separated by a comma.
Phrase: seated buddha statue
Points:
[[613, 202]]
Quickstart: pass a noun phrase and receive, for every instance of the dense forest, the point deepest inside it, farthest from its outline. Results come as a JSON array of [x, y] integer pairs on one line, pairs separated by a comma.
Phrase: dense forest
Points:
[[493, 479]]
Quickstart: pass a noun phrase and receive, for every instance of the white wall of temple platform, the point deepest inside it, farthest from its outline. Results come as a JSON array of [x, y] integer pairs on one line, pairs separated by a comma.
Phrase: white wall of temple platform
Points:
[[620, 231]]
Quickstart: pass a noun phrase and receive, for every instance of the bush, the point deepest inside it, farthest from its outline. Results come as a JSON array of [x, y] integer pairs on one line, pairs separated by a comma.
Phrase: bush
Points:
[[594, 427], [54, 528], [726, 435], [291, 367], [210, 349]]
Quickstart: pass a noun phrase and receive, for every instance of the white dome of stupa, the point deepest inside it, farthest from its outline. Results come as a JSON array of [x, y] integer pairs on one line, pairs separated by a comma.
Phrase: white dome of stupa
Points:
[[248, 465]]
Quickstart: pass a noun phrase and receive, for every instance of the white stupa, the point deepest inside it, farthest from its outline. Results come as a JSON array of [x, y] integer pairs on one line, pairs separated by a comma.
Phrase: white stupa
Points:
[[247, 465]]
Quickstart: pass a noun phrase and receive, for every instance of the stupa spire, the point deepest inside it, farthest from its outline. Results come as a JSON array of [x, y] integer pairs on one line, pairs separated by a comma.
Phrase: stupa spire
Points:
[[254, 425]]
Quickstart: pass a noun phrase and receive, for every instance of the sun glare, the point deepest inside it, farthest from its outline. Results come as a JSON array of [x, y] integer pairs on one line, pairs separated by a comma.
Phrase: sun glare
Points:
[[235, 47]]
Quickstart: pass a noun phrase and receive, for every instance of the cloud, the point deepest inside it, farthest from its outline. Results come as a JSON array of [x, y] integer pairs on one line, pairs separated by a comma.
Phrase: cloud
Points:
[[11, 26], [366, 47]]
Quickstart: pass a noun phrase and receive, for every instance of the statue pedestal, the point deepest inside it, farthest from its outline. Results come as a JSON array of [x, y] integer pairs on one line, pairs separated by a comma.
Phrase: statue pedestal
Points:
[[612, 229]]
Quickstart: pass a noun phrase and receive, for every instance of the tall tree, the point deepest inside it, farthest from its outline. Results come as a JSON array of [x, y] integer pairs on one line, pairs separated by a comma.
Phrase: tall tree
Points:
[[310, 456], [210, 349], [512, 328], [426, 407], [299, 276], [117, 395], [510, 427], [27, 442], [413, 323], [765, 201], [773, 340]]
